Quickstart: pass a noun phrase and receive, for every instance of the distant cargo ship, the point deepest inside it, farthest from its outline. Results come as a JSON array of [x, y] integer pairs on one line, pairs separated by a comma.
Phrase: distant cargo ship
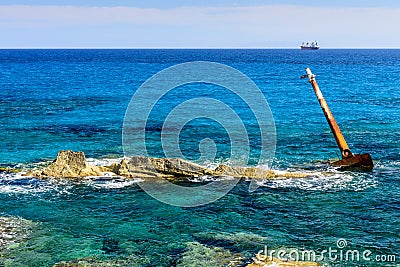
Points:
[[309, 46]]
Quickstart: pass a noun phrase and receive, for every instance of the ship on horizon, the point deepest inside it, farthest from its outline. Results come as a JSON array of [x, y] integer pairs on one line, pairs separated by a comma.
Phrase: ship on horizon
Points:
[[309, 46]]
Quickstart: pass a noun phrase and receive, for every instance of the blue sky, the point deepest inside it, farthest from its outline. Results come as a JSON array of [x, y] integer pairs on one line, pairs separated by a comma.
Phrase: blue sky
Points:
[[198, 24], [180, 3]]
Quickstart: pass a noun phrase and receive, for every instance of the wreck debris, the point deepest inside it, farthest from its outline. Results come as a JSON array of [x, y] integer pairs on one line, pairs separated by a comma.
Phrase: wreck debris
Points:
[[349, 161]]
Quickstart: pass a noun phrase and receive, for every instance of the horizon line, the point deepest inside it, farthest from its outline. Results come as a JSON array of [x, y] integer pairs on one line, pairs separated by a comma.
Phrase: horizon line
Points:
[[182, 47]]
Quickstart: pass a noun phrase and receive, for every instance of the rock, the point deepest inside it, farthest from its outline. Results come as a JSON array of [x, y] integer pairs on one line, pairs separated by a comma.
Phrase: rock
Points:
[[255, 173], [9, 170], [167, 167], [274, 262], [174, 168], [140, 167], [179, 167], [146, 167], [121, 169], [91, 171], [281, 175], [244, 172], [70, 164]]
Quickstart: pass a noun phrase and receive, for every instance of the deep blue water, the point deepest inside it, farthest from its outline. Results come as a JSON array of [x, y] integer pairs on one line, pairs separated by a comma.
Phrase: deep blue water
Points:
[[76, 99]]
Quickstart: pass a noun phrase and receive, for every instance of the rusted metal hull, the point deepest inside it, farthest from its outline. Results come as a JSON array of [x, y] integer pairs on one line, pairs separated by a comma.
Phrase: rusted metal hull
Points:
[[358, 162]]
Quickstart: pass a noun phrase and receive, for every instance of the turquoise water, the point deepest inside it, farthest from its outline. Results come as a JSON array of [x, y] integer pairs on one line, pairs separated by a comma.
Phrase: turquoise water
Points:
[[76, 99]]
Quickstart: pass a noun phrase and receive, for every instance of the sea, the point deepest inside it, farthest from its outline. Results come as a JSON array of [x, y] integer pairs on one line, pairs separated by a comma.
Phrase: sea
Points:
[[77, 99]]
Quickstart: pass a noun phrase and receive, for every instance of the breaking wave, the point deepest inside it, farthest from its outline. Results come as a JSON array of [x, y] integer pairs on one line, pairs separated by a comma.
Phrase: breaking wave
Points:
[[111, 182], [324, 181], [16, 183]]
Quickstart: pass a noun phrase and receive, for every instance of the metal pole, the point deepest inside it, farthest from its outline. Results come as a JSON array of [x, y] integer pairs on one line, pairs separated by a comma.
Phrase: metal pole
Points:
[[341, 142]]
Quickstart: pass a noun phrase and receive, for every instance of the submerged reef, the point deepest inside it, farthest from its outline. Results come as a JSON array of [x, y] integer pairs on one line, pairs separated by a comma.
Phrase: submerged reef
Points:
[[95, 262], [13, 231], [199, 255], [70, 164], [195, 255]]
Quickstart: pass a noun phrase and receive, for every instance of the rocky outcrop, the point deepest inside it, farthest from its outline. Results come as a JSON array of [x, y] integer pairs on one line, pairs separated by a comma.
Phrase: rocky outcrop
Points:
[[146, 167], [280, 263], [176, 168], [69, 164], [166, 167]]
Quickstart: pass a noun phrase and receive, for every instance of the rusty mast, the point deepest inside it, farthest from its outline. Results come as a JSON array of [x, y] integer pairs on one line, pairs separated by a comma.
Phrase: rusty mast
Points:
[[348, 161]]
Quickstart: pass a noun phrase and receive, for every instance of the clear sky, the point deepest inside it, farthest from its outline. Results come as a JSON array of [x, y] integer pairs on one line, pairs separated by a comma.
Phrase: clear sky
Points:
[[199, 24]]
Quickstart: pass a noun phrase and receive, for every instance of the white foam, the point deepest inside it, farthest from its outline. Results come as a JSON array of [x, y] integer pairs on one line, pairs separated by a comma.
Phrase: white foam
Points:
[[209, 178], [214, 164], [318, 181], [103, 162], [387, 165], [111, 183], [15, 183]]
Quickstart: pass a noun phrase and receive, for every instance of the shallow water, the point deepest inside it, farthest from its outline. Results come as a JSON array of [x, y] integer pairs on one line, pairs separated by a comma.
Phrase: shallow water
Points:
[[76, 99]]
